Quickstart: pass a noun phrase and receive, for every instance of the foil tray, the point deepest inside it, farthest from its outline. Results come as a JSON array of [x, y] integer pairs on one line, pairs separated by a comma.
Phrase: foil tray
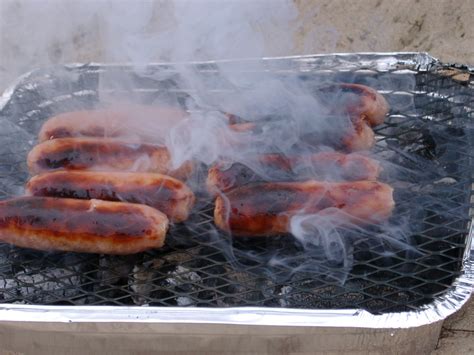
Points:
[[442, 306]]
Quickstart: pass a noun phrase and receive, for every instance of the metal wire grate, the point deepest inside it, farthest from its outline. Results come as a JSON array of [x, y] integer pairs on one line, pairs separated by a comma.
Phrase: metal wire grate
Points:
[[431, 136]]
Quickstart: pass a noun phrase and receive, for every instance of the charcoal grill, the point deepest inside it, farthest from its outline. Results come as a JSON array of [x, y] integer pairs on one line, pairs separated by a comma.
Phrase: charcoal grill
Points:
[[191, 287]]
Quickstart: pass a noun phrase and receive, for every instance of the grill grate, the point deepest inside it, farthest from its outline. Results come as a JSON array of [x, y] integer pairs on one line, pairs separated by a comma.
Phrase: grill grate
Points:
[[432, 135]]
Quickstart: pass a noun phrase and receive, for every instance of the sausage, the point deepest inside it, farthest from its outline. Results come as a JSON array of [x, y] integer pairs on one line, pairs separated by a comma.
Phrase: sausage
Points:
[[347, 134], [92, 226], [357, 135], [131, 122], [360, 137], [332, 166], [243, 127], [356, 100], [364, 106], [103, 154], [162, 192], [266, 209]]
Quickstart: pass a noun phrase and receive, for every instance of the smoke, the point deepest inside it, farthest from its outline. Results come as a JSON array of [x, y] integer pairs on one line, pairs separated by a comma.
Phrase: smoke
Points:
[[41, 33], [283, 106]]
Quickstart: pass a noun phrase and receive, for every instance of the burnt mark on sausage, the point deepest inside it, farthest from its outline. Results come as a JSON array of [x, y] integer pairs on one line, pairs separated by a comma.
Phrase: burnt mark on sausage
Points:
[[78, 153], [64, 216], [330, 166], [261, 209], [65, 132], [162, 192]]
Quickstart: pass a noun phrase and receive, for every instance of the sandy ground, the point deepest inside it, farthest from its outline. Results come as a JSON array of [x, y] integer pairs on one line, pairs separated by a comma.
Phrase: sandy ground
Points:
[[457, 336], [441, 27]]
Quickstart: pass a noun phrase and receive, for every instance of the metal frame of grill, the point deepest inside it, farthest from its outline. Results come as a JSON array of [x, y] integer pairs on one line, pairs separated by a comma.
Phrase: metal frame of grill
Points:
[[43, 287]]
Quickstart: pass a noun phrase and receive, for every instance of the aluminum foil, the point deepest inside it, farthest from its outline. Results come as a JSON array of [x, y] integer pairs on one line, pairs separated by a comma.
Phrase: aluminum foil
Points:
[[443, 306]]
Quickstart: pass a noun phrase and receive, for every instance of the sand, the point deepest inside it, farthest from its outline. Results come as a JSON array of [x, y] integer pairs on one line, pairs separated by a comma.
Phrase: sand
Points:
[[441, 27]]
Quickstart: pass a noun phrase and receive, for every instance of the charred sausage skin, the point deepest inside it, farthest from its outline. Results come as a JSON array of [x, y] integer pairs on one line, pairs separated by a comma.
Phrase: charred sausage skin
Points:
[[331, 166], [162, 192], [92, 226], [101, 154], [265, 209]]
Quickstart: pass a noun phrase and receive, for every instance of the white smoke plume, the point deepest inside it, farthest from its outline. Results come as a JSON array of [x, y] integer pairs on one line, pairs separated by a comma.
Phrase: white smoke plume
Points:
[[37, 33]]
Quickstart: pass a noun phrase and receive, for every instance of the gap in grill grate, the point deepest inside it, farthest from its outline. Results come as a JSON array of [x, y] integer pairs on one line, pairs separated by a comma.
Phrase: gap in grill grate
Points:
[[432, 136]]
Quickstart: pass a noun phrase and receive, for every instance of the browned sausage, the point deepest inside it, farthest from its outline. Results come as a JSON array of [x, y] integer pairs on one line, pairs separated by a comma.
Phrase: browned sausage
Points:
[[265, 209], [162, 192], [356, 100], [364, 106], [357, 136], [91, 226], [332, 166], [131, 122], [350, 135], [103, 154]]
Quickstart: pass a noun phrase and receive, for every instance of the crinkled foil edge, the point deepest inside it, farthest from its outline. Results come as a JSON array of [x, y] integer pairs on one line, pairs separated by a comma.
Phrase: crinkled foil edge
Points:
[[443, 306]]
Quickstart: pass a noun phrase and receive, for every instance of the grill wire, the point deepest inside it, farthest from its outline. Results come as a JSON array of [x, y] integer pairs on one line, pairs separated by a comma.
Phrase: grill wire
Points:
[[433, 135]]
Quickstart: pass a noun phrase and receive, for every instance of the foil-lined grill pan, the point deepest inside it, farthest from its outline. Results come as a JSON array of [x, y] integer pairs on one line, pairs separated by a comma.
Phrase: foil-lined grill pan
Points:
[[431, 119]]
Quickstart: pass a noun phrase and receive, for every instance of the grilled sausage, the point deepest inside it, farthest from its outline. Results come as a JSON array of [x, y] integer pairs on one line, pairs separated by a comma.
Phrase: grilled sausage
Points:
[[101, 154], [133, 122], [162, 192], [365, 107], [360, 137], [349, 135], [356, 100], [93, 226], [332, 166], [265, 209]]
